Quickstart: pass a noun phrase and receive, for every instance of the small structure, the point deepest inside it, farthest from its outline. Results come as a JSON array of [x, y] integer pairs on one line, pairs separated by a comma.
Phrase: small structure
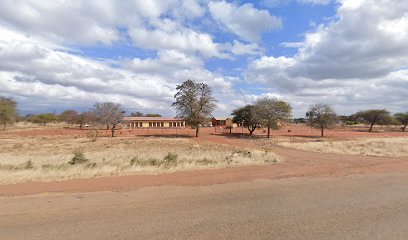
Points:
[[154, 122], [222, 122]]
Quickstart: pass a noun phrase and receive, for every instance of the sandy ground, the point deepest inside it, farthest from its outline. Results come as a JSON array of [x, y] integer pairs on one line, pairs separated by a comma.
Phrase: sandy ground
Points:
[[307, 196], [354, 207]]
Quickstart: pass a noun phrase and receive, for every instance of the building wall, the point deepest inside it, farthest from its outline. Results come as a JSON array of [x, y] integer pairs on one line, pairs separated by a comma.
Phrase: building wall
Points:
[[155, 124]]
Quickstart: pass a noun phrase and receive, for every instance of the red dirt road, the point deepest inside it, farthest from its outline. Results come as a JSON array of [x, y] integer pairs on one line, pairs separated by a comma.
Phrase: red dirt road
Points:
[[296, 163]]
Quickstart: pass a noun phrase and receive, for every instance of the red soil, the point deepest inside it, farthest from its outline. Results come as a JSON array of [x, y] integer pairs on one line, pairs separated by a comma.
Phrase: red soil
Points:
[[297, 163], [289, 131]]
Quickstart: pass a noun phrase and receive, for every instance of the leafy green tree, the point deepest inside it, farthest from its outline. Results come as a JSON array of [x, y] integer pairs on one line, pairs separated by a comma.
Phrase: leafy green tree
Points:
[[194, 102], [402, 118], [43, 118], [8, 111], [321, 116], [246, 117], [271, 112], [374, 117], [109, 114]]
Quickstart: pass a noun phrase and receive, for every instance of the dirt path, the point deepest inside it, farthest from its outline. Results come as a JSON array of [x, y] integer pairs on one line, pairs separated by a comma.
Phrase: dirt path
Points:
[[297, 163]]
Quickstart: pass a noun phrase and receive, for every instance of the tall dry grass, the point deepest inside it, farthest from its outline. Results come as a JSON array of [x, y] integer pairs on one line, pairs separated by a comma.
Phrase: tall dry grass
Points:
[[47, 158], [385, 147]]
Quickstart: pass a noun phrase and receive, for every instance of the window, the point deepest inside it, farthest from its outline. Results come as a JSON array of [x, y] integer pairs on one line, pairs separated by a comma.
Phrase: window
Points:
[[154, 124], [178, 124], [182, 124], [150, 124], [140, 124], [162, 124], [174, 124], [170, 124]]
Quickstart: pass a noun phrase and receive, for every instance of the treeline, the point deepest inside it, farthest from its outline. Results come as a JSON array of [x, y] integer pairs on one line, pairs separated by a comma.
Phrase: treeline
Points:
[[272, 113], [195, 103]]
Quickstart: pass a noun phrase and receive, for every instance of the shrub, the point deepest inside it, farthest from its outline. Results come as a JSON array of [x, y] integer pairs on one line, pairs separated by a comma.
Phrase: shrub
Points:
[[78, 158], [93, 134], [28, 165], [170, 160]]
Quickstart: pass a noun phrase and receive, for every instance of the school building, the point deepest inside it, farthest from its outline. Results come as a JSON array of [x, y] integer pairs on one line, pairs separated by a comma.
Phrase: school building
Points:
[[153, 122]]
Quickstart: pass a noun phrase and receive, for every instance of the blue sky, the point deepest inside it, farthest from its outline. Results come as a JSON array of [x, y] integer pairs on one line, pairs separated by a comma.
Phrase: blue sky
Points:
[[351, 54]]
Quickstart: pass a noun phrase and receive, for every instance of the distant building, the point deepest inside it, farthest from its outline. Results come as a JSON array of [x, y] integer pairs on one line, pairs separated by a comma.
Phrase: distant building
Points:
[[153, 122], [222, 122]]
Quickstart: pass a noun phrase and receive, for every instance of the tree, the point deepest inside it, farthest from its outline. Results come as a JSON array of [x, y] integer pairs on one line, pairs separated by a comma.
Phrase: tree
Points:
[[321, 116], [245, 115], [153, 115], [85, 118], [136, 114], [8, 111], [271, 112], [69, 116], [43, 118], [403, 119], [194, 102], [374, 117], [109, 114]]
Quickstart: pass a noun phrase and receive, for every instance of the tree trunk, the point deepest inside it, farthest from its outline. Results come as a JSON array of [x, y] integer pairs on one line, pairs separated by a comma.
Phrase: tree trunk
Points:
[[196, 132], [269, 132], [404, 127], [230, 129], [371, 127], [321, 135], [251, 130], [113, 130]]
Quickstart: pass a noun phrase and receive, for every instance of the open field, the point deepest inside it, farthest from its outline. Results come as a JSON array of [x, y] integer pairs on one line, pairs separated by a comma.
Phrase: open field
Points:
[[38, 153], [381, 146], [47, 158]]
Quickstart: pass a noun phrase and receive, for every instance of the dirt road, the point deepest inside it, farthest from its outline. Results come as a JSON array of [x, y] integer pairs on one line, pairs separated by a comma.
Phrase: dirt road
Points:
[[352, 207]]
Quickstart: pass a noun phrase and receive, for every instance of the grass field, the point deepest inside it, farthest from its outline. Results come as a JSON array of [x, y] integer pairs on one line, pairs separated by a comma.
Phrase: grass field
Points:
[[47, 158], [385, 147]]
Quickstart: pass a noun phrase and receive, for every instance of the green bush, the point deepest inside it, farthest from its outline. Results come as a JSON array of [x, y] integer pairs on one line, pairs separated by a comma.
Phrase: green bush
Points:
[[78, 158], [170, 160]]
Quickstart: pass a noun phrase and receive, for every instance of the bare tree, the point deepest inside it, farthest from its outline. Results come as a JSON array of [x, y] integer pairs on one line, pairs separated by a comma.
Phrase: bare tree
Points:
[[8, 111], [272, 112], [373, 117], [109, 114], [69, 116], [194, 102], [246, 117], [86, 118], [403, 119], [321, 116]]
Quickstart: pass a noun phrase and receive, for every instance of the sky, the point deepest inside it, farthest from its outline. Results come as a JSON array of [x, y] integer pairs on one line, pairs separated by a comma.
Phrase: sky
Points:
[[58, 55]]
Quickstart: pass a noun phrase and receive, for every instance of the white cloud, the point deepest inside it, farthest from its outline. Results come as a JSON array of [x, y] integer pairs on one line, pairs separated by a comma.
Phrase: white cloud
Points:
[[274, 3], [357, 61], [244, 21]]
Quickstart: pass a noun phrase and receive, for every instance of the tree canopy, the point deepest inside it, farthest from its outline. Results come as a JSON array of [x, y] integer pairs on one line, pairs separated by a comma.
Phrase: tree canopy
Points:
[[321, 116], [109, 114], [374, 117], [69, 116], [271, 112], [402, 118], [246, 116], [194, 102], [8, 111]]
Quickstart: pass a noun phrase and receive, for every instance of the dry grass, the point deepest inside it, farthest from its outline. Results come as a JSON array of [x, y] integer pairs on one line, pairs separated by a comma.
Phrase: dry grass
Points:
[[47, 158], [387, 147]]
